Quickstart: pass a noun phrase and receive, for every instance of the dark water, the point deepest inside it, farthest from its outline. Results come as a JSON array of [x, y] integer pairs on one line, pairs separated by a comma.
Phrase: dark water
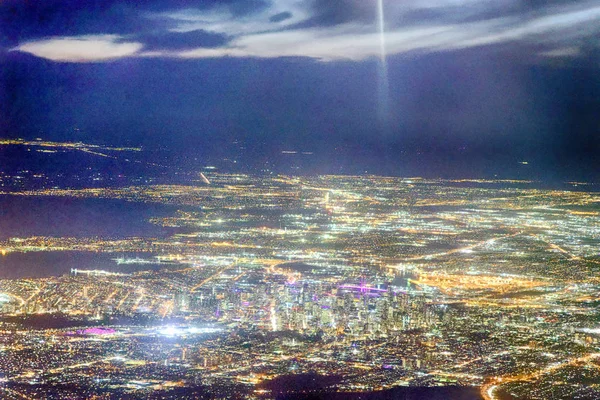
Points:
[[402, 279], [400, 393], [313, 386], [22, 216], [45, 263]]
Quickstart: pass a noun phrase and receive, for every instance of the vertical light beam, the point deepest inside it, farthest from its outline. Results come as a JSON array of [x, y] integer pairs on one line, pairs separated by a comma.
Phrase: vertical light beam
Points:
[[383, 84]]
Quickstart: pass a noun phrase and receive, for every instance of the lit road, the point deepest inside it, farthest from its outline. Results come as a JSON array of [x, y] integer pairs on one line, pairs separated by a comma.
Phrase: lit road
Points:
[[13, 394], [210, 278], [461, 249]]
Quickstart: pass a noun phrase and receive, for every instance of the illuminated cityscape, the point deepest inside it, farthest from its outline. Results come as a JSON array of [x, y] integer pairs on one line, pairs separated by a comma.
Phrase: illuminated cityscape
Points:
[[299, 200], [367, 283]]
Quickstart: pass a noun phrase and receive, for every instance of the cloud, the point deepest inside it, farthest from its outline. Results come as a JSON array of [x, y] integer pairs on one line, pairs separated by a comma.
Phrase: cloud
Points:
[[562, 52], [181, 40], [354, 41], [23, 21], [81, 49], [282, 16], [326, 30], [323, 44], [565, 24], [224, 19]]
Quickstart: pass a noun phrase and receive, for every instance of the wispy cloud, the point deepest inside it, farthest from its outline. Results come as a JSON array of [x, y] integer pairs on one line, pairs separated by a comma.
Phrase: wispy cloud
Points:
[[345, 42], [356, 42], [288, 28], [223, 20], [562, 52]]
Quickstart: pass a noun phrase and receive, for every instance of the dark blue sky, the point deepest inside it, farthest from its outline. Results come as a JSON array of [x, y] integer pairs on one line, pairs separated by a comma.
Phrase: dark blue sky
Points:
[[472, 88]]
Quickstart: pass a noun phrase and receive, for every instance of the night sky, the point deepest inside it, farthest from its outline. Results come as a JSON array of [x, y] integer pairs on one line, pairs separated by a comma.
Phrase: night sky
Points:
[[473, 88]]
